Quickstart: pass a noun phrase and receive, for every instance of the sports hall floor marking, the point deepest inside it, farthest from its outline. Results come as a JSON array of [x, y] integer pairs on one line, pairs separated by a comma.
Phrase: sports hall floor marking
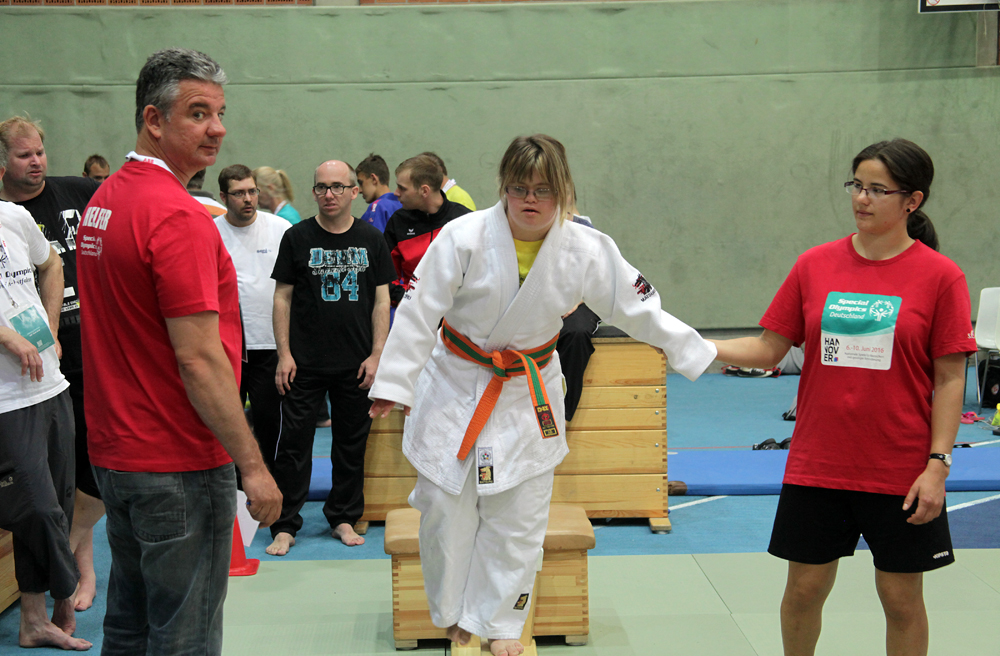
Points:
[[964, 505], [705, 500]]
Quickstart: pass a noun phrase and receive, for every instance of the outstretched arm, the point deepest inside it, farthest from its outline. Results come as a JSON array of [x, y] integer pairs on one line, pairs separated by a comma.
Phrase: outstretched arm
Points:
[[763, 351]]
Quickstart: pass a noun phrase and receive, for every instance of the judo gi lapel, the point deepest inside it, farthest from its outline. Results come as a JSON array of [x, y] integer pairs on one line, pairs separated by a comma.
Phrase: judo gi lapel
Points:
[[523, 299]]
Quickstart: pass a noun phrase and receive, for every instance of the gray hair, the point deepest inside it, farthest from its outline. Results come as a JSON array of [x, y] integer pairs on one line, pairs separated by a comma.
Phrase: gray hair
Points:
[[160, 78]]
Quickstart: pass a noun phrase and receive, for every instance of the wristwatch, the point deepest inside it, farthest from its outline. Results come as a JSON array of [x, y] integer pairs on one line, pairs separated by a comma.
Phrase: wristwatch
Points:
[[943, 457]]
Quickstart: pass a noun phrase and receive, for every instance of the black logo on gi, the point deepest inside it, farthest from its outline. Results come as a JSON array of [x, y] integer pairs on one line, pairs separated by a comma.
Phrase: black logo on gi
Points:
[[642, 287], [522, 601]]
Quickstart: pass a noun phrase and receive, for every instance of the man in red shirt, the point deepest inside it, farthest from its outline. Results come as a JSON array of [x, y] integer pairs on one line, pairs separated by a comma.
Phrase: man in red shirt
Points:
[[162, 355]]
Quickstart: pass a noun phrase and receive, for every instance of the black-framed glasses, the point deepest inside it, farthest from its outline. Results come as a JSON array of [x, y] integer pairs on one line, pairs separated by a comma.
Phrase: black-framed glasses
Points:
[[243, 193], [337, 189], [875, 193], [519, 192]]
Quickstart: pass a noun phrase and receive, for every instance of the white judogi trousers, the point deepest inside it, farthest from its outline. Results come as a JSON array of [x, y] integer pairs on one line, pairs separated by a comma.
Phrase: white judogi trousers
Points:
[[480, 554]]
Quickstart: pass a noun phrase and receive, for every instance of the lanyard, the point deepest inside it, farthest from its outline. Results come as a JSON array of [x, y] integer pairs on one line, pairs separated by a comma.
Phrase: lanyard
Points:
[[149, 160], [4, 260]]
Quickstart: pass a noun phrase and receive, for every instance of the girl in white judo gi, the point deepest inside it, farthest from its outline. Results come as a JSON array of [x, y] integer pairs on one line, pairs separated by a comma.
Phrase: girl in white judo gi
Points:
[[484, 444]]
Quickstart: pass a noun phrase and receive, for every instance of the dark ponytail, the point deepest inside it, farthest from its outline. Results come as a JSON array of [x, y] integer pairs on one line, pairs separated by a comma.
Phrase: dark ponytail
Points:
[[912, 169]]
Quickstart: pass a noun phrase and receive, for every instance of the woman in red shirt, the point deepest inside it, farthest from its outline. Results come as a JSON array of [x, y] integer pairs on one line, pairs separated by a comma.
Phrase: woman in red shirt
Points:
[[885, 323]]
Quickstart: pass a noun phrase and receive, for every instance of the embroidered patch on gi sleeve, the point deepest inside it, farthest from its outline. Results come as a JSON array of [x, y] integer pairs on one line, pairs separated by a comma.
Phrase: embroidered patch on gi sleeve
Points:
[[642, 287], [522, 601]]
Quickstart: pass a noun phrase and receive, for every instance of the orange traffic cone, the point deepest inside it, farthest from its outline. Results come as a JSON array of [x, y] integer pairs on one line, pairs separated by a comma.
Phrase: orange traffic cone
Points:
[[239, 564]]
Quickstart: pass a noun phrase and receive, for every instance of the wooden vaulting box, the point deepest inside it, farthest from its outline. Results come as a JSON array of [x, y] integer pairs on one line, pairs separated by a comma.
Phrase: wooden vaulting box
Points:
[[617, 463], [562, 607], [8, 584]]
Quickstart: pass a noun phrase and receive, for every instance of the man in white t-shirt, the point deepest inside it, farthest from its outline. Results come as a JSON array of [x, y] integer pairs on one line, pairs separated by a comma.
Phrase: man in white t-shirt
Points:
[[36, 431], [252, 238]]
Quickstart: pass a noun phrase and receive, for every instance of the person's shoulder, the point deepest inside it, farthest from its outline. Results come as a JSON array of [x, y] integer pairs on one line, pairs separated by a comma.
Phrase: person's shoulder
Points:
[[926, 257], [304, 227], [273, 221], [366, 230], [74, 183], [13, 214], [836, 248], [456, 210]]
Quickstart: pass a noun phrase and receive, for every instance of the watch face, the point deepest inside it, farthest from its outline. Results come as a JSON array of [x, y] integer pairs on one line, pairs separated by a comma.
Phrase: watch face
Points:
[[943, 457]]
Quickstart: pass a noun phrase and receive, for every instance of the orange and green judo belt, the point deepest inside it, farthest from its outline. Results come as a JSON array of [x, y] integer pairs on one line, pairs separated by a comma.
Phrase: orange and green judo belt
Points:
[[505, 365]]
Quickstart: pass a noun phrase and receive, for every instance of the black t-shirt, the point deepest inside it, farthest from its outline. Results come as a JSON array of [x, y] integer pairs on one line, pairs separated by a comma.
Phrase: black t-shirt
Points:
[[57, 211], [334, 278]]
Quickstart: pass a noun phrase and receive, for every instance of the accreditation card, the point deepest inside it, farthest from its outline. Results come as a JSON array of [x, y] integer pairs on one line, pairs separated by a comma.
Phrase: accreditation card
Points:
[[858, 330]]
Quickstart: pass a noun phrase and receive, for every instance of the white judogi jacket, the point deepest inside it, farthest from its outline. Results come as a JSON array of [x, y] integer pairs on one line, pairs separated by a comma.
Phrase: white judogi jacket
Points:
[[469, 276]]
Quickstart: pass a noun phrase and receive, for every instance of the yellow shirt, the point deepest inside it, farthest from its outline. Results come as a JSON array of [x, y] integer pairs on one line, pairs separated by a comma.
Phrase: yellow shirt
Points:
[[527, 251]]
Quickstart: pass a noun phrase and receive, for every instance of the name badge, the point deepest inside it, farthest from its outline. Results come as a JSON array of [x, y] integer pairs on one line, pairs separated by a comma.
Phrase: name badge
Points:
[[858, 330], [30, 325]]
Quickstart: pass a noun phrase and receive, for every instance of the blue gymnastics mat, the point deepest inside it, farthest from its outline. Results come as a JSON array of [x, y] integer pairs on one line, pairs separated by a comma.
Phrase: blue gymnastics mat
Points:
[[738, 471], [744, 471]]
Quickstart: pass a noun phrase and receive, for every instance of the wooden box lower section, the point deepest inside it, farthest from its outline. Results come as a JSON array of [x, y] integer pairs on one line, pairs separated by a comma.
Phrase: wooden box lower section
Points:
[[8, 584], [607, 495], [562, 609]]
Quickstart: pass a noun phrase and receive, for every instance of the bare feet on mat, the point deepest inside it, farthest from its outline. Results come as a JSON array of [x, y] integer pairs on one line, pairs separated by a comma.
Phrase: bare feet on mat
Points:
[[457, 634], [506, 647], [37, 631], [345, 533], [324, 423], [87, 589], [282, 543], [64, 614]]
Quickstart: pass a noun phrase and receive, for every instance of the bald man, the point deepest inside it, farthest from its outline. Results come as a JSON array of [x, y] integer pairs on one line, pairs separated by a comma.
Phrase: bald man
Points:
[[331, 318]]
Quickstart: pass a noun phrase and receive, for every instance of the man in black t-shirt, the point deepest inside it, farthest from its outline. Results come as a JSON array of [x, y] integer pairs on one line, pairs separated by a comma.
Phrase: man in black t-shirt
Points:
[[331, 318], [56, 204]]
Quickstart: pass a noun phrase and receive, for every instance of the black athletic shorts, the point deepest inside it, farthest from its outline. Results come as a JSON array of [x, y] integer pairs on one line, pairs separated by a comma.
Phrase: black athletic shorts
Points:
[[817, 525]]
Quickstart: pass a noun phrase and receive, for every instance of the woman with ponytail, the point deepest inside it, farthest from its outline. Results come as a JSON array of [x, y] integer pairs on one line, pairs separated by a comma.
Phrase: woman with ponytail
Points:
[[276, 194], [885, 322]]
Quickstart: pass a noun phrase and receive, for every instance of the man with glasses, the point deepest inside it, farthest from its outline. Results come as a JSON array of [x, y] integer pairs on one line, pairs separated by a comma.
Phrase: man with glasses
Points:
[[331, 318], [412, 228], [252, 238]]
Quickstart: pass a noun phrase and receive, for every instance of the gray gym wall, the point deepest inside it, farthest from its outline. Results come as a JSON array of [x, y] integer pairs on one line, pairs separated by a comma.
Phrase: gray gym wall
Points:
[[710, 139]]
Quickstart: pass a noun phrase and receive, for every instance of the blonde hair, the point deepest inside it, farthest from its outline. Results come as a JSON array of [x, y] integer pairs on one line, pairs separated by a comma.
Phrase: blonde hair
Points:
[[545, 156], [275, 182], [17, 126]]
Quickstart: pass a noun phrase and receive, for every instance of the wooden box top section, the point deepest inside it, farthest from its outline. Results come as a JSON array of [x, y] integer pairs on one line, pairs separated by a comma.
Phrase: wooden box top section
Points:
[[568, 528]]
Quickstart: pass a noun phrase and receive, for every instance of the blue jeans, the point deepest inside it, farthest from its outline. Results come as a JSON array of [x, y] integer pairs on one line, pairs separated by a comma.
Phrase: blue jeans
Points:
[[171, 538]]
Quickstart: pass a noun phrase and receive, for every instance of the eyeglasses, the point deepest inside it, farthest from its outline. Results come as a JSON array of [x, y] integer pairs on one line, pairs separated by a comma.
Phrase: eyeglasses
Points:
[[519, 192], [243, 193], [337, 189], [875, 193]]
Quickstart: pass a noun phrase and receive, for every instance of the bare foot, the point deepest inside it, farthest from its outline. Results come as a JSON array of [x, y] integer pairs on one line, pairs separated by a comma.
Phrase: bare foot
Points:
[[345, 533], [87, 591], [37, 631], [324, 423], [64, 614], [84, 554], [282, 543], [457, 634], [506, 647]]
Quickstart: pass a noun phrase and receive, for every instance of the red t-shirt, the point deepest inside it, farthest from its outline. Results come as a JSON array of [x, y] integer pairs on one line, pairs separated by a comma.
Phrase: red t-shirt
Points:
[[871, 331], [148, 251]]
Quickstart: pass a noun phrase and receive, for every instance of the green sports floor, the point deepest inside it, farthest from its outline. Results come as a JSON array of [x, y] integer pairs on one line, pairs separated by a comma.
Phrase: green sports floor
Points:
[[702, 604]]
